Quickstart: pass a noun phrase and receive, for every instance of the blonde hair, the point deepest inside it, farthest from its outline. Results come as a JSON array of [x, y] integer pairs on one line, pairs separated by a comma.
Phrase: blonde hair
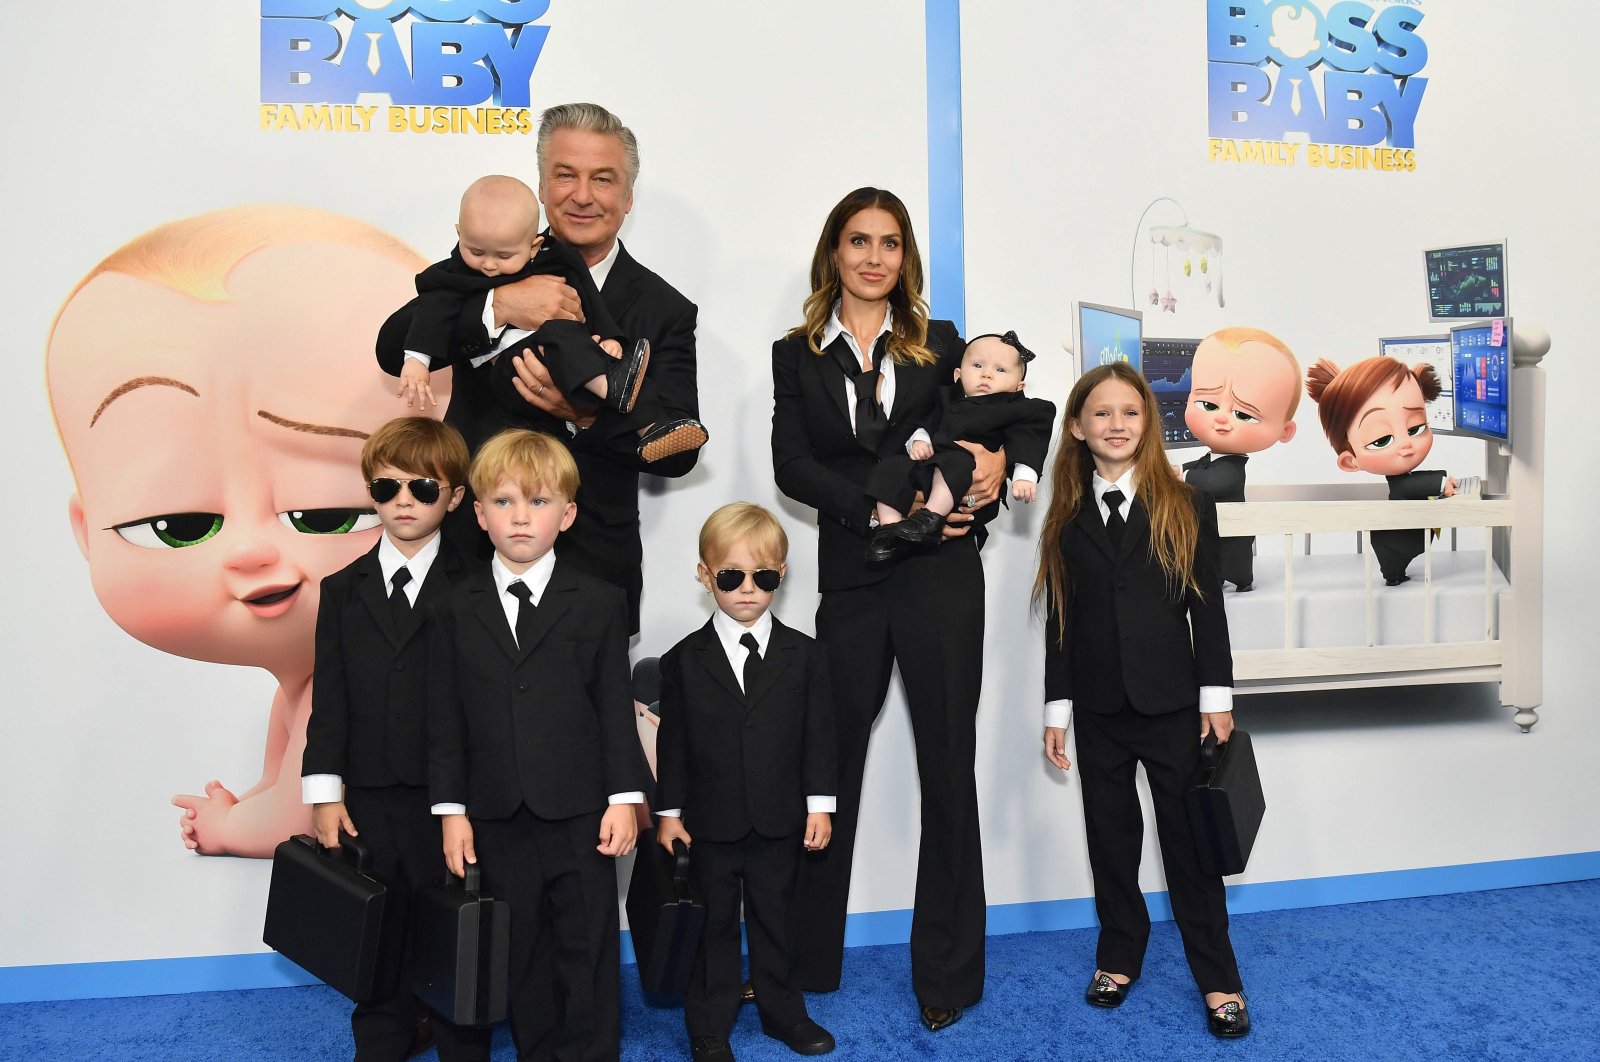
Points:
[[417, 444], [743, 522], [1232, 339], [1168, 500], [530, 459], [908, 331]]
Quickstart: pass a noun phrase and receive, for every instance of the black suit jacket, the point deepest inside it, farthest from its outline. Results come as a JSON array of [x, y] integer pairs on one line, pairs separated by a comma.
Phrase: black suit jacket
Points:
[[1127, 635], [1219, 475], [816, 457], [735, 763], [549, 724], [369, 690]]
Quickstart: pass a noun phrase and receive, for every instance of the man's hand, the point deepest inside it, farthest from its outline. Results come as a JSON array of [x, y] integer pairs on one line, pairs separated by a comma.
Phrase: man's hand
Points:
[[1024, 490], [326, 820], [415, 387], [532, 381], [669, 828], [1055, 746], [610, 346], [988, 477], [532, 301], [619, 830], [919, 450], [458, 850], [819, 831], [1220, 723]]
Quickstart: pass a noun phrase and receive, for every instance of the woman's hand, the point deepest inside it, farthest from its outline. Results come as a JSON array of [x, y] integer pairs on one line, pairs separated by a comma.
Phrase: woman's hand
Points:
[[1055, 746], [988, 476]]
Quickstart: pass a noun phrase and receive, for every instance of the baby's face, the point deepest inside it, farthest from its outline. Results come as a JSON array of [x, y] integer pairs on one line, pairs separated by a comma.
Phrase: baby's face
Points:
[[1390, 435], [1239, 400], [989, 367], [497, 242], [215, 446]]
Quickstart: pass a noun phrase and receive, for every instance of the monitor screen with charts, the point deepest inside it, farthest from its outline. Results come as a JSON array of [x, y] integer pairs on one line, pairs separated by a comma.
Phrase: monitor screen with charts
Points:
[[1467, 283], [1434, 351], [1167, 366], [1107, 334], [1481, 355]]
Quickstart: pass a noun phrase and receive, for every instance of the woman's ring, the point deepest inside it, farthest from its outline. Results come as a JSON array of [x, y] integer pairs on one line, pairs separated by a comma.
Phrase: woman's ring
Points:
[[971, 499], [539, 392]]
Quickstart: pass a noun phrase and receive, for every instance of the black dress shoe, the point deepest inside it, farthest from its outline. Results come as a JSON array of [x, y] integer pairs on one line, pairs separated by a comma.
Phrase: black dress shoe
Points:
[[710, 1049], [1104, 991], [1397, 580], [936, 1018], [626, 376], [747, 992], [884, 546], [803, 1038], [671, 437], [1229, 1021], [422, 1038], [1243, 589], [922, 528]]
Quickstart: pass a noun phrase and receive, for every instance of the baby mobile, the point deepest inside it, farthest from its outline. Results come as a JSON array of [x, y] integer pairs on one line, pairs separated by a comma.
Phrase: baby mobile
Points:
[[1199, 255]]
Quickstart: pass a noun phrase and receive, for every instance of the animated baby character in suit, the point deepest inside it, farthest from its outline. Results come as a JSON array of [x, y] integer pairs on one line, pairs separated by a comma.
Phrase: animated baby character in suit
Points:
[[1375, 417], [210, 386], [1244, 389]]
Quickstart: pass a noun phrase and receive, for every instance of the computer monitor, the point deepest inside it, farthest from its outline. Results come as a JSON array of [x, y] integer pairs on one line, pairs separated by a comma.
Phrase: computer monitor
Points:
[[1107, 334], [1168, 367], [1481, 357], [1435, 351], [1467, 282]]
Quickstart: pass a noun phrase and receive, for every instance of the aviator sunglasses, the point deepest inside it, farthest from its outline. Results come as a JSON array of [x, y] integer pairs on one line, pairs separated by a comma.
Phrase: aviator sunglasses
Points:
[[730, 579], [426, 491]]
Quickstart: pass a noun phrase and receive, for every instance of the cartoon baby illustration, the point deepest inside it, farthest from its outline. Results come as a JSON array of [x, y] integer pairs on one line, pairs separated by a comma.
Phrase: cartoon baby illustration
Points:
[[212, 383]]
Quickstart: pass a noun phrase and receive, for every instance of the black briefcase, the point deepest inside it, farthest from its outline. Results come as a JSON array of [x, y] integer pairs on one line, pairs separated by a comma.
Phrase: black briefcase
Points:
[[327, 913], [663, 916], [1226, 804], [462, 942]]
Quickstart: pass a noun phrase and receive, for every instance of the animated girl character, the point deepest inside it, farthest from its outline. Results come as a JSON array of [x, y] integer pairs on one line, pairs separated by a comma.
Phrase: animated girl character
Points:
[[1375, 418], [212, 383], [1243, 392]]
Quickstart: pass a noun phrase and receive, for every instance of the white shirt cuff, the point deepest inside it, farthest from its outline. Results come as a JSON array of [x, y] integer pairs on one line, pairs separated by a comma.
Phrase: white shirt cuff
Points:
[[1024, 474], [1058, 713], [670, 813], [488, 314], [321, 789], [821, 804], [920, 435], [1216, 699], [449, 809], [417, 355], [626, 798]]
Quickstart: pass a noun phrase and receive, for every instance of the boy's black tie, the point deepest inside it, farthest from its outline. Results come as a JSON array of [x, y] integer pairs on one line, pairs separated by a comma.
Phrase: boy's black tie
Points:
[[399, 603], [525, 607], [1114, 521], [752, 662]]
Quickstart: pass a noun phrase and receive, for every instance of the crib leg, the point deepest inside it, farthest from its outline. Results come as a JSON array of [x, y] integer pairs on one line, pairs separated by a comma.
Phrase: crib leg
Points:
[[1525, 718]]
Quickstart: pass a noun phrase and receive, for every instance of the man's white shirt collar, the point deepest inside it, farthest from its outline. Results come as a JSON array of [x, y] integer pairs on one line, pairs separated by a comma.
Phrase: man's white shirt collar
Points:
[[602, 269], [391, 560]]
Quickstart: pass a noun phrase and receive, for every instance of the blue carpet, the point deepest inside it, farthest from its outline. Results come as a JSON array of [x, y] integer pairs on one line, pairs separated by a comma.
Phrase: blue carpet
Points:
[[1488, 975]]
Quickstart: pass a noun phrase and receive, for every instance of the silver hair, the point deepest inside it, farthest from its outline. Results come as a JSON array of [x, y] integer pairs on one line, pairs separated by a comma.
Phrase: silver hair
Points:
[[590, 118]]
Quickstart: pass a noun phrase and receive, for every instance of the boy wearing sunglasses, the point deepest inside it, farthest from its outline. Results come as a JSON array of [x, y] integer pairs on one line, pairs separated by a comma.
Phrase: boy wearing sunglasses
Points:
[[365, 767], [534, 756], [745, 759]]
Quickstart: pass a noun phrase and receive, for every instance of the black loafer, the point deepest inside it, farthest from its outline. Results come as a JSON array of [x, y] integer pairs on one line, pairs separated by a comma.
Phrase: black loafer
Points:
[[626, 376], [922, 528], [710, 1049], [803, 1038], [747, 992], [671, 437], [936, 1018], [1229, 1021], [884, 546], [1104, 991]]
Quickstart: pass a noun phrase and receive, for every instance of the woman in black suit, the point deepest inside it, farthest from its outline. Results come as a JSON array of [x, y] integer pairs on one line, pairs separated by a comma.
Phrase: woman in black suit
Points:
[[849, 386], [1137, 649]]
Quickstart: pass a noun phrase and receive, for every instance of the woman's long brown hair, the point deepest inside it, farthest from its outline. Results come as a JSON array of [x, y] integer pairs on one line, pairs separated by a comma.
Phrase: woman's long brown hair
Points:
[[1168, 500], [908, 332]]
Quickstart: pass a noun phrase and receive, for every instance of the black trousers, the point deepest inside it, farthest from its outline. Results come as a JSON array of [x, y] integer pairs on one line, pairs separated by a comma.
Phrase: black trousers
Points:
[[563, 897], [398, 825], [927, 616], [1109, 749], [762, 871]]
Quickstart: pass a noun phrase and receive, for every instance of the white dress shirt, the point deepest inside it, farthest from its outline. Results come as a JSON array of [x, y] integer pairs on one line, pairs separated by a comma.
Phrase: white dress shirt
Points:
[[729, 631], [327, 788], [1212, 698]]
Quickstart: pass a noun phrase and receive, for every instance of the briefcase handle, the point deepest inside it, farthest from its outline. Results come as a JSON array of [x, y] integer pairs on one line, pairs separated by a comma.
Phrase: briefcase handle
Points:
[[680, 864], [471, 881], [351, 850]]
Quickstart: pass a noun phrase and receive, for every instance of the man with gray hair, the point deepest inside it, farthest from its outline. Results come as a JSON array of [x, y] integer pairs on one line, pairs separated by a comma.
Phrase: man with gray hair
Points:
[[588, 162]]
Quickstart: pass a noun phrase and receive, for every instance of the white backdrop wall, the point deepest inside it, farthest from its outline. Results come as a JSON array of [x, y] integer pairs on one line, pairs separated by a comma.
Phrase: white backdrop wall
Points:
[[753, 120]]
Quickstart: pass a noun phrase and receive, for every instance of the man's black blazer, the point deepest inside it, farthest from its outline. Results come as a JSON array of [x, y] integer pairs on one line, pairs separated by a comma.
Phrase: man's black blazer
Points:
[[816, 457], [369, 689], [549, 724], [1219, 475], [733, 763], [1168, 644]]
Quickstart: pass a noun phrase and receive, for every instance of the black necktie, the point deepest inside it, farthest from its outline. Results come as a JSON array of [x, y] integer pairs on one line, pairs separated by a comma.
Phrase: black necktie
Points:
[[525, 610], [871, 421], [399, 603], [1114, 521], [752, 662]]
